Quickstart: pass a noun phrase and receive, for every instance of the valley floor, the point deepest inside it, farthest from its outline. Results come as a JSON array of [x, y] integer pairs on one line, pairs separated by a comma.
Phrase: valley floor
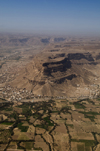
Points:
[[54, 125]]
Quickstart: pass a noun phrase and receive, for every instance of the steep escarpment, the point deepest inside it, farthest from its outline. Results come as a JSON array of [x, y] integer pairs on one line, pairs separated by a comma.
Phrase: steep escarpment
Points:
[[79, 56], [55, 66], [57, 74]]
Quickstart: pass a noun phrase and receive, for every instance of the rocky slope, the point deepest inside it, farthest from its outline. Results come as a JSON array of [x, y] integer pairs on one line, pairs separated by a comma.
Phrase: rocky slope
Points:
[[56, 74]]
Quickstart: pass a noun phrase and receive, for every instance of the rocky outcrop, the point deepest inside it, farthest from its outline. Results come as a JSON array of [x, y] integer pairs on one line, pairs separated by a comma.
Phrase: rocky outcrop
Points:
[[55, 66], [45, 40], [59, 39], [55, 74], [79, 56], [61, 80]]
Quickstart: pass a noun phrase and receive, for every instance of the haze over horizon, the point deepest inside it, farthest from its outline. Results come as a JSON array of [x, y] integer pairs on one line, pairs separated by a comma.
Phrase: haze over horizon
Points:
[[50, 17]]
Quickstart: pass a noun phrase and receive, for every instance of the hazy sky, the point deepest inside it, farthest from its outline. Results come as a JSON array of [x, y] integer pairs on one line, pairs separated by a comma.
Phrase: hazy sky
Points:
[[50, 16]]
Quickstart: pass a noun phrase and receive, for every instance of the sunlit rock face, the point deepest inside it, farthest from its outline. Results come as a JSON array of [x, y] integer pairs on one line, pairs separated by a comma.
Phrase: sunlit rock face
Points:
[[55, 73]]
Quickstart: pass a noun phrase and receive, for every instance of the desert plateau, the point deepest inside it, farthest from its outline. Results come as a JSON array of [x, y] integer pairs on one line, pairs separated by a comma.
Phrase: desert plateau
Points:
[[49, 93]]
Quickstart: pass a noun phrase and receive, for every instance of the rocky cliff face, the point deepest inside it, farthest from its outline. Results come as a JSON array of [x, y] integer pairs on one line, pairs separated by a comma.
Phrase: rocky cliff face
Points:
[[61, 66], [79, 56], [55, 74]]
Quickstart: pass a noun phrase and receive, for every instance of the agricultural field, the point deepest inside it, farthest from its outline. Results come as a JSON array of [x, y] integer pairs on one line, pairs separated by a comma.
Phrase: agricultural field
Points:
[[54, 125]]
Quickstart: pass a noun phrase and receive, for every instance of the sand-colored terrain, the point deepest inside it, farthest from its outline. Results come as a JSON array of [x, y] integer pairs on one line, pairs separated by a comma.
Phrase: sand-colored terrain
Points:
[[49, 93], [51, 66]]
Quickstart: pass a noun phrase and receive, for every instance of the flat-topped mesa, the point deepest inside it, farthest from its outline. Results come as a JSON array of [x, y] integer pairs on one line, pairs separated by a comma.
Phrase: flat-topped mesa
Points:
[[56, 65], [57, 74]]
